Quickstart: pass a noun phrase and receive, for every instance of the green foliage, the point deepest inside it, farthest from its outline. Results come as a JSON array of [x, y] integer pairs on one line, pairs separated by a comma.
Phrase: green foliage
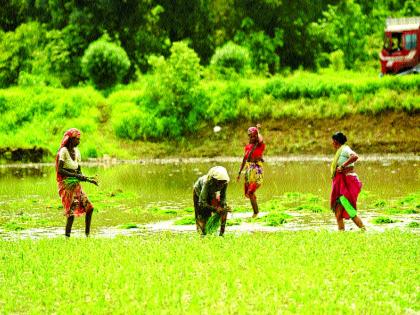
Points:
[[383, 220], [173, 103], [17, 50], [127, 226], [337, 60], [274, 219], [343, 27], [261, 47], [414, 225], [105, 63], [213, 224], [71, 182], [185, 221], [231, 57]]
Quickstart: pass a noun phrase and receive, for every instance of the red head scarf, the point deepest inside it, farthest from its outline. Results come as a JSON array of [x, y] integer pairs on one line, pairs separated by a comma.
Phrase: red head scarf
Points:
[[254, 131], [71, 133]]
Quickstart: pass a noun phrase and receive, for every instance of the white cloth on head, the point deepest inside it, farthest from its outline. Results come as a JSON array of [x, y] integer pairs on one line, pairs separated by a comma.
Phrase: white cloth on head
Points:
[[219, 173]]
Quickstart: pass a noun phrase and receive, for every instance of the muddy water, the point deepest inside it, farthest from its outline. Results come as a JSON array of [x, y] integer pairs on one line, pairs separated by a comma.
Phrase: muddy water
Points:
[[134, 191]]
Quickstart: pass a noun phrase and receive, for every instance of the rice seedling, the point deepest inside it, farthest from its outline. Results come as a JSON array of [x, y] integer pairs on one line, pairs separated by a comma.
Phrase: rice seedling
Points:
[[274, 219], [213, 223], [72, 182], [261, 273], [128, 226], [232, 222], [185, 221], [414, 225], [383, 220]]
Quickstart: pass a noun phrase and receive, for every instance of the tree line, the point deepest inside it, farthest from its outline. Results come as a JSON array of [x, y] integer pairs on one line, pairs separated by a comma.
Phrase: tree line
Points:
[[50, 38]]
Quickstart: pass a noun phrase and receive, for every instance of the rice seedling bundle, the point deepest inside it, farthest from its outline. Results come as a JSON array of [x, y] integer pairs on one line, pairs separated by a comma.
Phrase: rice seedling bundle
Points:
[[213, 223], [71, 182]]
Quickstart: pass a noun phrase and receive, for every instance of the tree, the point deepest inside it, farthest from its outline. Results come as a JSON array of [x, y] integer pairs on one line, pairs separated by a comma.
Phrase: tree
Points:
[[105, 63], [343, 27]]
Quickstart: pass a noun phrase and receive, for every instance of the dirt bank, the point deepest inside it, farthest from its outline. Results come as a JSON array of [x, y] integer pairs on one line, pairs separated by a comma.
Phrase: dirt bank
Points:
[[386, 133]]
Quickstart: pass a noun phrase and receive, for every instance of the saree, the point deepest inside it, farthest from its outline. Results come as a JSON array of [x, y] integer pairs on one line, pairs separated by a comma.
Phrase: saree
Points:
[[74, 200], [345, 191]]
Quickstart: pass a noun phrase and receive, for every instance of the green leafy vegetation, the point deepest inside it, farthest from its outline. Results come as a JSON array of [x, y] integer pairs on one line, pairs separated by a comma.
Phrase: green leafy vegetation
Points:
[[213, 223], [383, 220], [105, 63], [274, 219], [185, 221], [414, 225]]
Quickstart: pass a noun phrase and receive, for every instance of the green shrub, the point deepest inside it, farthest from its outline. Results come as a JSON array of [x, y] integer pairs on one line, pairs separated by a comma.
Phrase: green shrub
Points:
[[17, 50], [262, 48], [337, 60], [173, 103], [230, 57], [105, 63]]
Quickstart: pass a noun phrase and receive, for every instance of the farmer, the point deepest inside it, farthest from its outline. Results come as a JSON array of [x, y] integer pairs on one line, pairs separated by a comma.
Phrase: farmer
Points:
[[346, 185], [207, 201], [253, 163], [67, 166]]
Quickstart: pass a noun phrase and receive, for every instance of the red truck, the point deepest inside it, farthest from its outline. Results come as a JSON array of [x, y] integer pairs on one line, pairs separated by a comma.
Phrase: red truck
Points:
[[401, 50]]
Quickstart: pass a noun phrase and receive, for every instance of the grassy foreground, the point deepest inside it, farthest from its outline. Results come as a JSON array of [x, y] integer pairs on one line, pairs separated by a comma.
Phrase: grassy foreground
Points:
[[301, 272]]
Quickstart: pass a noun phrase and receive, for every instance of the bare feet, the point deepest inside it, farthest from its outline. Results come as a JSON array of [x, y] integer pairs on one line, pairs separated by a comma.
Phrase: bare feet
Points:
[[255, 215]]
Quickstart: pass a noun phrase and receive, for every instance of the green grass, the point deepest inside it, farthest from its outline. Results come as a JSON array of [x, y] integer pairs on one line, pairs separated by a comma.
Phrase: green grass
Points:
[[291, 273]]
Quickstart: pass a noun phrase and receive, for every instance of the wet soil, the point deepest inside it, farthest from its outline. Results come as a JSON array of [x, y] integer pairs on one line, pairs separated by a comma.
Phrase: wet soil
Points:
[[298, 222]]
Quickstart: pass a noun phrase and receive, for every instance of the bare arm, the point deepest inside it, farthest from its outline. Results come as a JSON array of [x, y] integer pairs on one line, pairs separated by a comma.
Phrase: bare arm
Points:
[[352, 158], [70, 173], [241, 168]]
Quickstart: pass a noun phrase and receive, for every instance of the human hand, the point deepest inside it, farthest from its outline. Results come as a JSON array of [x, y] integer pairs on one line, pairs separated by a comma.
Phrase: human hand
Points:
[[81, 177], [340, 169], [93, 180]]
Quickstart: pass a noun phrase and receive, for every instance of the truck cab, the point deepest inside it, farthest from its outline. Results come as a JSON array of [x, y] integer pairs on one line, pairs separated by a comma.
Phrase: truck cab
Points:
[[401, 49]]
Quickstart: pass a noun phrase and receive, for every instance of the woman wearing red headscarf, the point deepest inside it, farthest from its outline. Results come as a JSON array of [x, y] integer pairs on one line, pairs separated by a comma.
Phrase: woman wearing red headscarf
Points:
[[252, 161], [74, 200]]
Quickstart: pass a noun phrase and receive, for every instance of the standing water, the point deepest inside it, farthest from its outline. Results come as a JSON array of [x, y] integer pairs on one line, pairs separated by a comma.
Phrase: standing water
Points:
[[143, 195]]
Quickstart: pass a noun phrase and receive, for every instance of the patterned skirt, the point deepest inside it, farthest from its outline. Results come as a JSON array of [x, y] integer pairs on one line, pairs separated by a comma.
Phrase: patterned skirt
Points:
[[75, 201], [254, 174]]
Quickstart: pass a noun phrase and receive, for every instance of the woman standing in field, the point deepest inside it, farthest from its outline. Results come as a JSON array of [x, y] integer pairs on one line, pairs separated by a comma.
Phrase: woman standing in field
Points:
[[207, 201], [252, 161], [346, 185], [69, 173]]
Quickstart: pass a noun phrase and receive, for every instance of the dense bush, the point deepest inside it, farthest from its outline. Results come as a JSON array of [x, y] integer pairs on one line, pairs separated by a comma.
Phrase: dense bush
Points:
[[231, 57], [173, 102], [105, 63], [262, 48], [18, 50]]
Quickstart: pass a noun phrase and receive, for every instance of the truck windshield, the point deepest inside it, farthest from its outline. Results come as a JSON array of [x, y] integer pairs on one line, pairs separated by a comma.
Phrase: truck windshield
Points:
[[393, 42]]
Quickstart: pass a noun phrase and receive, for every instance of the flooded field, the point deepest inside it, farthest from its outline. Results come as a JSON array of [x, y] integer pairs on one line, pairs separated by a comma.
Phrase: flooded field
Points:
[[145, 196]]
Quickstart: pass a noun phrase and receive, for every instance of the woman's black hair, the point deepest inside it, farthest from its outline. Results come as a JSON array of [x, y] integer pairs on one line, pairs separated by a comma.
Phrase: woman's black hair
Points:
[[339, 137]]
